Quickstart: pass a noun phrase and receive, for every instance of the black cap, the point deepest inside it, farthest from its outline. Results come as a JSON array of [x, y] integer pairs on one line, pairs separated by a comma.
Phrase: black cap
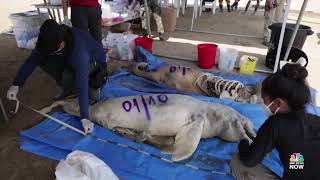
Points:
[[50, 36]]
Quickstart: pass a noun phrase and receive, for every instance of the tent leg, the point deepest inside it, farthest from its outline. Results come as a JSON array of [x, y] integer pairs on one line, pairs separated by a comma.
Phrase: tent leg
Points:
[[194, 14], [303, 8], [275, 69], [148, 17]]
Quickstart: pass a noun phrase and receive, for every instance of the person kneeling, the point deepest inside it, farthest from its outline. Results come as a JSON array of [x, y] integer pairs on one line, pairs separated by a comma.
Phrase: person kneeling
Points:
[[71, 57]]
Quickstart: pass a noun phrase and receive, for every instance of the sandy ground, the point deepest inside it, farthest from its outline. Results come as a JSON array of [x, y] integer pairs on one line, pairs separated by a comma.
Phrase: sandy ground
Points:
[[39, 89]]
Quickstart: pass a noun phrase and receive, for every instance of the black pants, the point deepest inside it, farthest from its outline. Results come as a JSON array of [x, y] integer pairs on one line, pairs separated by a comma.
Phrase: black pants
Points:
[[56, 68], [87, 18]]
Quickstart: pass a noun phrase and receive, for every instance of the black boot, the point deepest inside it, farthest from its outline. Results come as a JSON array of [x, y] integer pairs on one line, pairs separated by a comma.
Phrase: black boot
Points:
[[221, 8], [163, 36], [229, 10]]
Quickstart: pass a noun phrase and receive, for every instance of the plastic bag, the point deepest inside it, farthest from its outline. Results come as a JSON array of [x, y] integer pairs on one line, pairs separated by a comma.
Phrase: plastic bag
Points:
[[122, 45], [81, 165]]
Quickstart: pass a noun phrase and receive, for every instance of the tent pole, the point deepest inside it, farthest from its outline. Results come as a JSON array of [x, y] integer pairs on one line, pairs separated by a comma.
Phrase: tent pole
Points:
[[284, 23], [193, 14], [148, 17], [303, 8]]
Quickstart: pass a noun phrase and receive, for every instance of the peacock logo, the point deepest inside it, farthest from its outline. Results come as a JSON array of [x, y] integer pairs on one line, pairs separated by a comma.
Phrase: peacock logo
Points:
[[296, 161], [296, 158]]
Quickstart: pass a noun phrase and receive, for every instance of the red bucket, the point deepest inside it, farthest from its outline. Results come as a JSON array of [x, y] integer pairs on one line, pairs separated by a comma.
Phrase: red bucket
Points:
[[144, 42], [206, 55]]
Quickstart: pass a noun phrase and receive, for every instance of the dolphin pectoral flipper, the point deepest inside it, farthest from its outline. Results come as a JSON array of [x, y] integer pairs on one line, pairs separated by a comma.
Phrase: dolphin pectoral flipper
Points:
[[164, 143], [188, 138]]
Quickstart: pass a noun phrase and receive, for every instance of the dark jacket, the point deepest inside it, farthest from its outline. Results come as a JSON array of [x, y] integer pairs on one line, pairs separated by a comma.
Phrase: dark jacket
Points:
[[84, 51]]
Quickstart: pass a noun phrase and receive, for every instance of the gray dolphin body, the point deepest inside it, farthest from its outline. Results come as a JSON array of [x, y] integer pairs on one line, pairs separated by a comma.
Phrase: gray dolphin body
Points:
[[167, 120]]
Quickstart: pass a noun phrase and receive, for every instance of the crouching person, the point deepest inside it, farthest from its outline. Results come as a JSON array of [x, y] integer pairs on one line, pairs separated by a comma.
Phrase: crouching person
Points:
[[289, 128], [75, 60]]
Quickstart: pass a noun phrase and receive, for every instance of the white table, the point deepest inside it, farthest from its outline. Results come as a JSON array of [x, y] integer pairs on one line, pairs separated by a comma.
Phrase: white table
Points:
[[125, 19]]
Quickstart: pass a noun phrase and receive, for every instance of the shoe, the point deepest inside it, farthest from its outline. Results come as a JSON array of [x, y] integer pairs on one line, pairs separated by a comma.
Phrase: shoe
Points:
[[63, 95], [221, 8], [163, 37], [266, 43], [229, 10]]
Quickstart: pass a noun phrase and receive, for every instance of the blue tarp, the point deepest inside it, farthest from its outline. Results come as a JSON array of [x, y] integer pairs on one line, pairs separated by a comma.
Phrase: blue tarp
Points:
[[210, 161]]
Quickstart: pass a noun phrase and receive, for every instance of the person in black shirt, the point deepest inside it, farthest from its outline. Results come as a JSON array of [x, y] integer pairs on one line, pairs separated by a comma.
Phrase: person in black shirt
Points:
[[289, 129]]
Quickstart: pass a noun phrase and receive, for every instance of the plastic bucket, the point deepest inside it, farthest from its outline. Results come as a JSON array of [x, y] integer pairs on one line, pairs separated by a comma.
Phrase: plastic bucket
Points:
[[26, 26], [299, 40], [294, 55], [144, 42], [206, 55], [228, 57]]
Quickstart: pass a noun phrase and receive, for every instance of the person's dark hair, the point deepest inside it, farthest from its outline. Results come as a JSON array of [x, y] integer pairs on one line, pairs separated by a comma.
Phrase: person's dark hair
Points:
[[289, 84], [51, 35]]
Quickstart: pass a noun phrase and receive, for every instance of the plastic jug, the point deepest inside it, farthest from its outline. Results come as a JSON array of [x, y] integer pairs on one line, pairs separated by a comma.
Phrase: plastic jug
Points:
[[228, 57]]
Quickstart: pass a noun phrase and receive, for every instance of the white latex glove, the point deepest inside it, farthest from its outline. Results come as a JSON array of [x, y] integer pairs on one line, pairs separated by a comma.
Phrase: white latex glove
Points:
[[66, 21], [87, 125], [12, 93]]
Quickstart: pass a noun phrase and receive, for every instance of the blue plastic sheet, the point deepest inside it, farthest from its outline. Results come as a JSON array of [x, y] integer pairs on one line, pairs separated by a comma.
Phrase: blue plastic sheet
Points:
[[210, 161]]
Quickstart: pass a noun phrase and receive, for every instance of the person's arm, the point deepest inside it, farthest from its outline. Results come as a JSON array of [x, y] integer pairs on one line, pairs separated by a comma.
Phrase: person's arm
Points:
[[265, 141], [99, 53], [81, 68], [65, 5], [28, 67]]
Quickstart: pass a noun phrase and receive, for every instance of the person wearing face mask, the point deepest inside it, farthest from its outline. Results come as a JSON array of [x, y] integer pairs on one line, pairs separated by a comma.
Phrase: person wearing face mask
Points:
[[289, 128], [73, 58]]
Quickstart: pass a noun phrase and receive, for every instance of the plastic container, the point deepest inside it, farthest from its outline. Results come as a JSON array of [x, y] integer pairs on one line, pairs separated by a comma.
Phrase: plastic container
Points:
[[206, 55], [295, 54], [228, 57], [144, 42], [169, 18], [299, 40], [26, 26], [247, 64]]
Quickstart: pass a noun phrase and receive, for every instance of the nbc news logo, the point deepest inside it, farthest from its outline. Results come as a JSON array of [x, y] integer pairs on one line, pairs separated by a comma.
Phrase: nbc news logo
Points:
[[296, 161]]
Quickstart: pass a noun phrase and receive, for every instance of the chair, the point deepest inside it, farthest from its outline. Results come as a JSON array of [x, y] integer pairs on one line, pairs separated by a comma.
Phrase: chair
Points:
[[213, 7]]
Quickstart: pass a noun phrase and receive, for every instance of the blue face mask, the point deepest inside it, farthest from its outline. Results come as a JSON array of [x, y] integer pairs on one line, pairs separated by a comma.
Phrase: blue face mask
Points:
[[267, 110]]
